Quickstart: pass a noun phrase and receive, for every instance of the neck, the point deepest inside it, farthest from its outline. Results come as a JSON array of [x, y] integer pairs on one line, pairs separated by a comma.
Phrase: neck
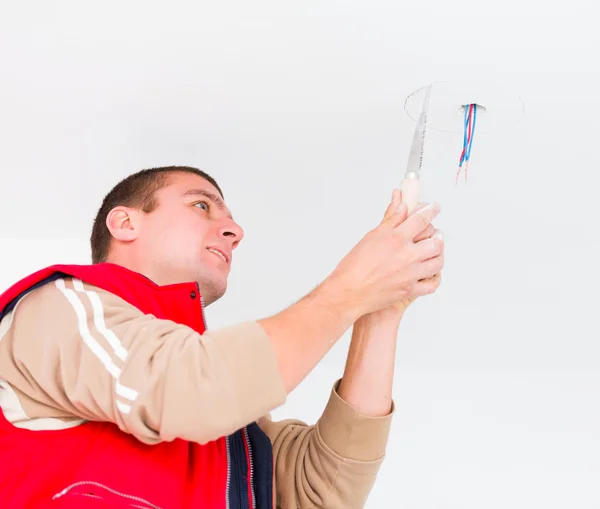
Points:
[[136, 265], [154, 272]]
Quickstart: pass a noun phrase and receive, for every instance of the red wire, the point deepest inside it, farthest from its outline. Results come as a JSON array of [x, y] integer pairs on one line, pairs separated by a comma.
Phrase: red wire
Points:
[[470, 123], [469, 137], [469, 134]]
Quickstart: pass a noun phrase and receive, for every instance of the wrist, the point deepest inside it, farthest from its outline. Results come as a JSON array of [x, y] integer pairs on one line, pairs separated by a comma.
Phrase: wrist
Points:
[[339, 298], [384, 318]]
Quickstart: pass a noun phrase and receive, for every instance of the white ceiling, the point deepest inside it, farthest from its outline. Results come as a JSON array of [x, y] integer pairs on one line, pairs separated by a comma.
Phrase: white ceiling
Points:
[[297, 110]]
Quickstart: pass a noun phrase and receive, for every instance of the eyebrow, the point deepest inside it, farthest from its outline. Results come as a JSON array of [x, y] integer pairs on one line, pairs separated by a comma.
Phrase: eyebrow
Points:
[[211, 196]]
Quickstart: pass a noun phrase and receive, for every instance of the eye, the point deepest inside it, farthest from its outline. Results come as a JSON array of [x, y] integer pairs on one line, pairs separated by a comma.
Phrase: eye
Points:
[[202, 203]]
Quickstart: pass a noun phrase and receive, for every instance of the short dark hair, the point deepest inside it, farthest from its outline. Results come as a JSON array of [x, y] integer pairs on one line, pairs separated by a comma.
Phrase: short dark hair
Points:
[[136, 191]]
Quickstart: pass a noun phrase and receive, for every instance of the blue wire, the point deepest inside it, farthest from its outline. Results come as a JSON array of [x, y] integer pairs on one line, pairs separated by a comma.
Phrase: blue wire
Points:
[[464, 154], [472, 132]]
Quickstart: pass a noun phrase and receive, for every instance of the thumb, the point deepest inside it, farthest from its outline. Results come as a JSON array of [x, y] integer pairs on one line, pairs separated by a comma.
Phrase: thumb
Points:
[[397, 217]]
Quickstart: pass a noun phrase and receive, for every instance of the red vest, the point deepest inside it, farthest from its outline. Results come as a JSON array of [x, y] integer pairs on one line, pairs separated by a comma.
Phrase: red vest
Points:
[[96, 465]]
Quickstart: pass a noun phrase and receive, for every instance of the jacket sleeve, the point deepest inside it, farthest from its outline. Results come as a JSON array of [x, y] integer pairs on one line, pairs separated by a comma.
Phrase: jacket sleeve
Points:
[[70, 350], [331, 465]]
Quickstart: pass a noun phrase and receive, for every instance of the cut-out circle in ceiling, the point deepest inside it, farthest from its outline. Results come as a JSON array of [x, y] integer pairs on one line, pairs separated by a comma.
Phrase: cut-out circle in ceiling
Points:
[[499, 107]]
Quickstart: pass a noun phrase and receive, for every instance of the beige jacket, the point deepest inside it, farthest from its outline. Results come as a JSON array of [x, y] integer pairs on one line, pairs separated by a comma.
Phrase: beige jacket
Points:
[[71, 353]]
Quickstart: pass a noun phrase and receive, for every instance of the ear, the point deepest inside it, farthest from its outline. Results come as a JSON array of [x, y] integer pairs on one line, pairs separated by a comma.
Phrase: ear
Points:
[[123, 223]]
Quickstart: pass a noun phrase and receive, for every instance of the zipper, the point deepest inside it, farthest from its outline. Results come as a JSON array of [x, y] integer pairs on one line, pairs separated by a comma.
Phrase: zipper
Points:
[[202, 307], [251, 473], [228, 440], [228, 485], [110, 490]]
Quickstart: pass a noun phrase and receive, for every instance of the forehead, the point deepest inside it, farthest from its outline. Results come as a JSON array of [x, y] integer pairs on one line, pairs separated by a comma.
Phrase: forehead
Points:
[[189, 187], [183, 182]]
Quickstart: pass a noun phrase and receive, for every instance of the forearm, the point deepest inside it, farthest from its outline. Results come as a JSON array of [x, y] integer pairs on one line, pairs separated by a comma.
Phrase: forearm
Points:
[[302, 334], [369, 372]]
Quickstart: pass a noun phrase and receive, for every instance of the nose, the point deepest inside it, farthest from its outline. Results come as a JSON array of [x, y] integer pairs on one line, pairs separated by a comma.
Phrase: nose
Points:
[[232, 232]]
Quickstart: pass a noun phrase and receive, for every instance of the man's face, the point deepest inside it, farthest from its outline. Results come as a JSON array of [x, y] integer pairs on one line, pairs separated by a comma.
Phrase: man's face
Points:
[[191, 235]]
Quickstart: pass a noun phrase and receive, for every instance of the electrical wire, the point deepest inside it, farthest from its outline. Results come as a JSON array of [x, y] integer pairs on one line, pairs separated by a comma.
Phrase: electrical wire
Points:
[[470, 121]]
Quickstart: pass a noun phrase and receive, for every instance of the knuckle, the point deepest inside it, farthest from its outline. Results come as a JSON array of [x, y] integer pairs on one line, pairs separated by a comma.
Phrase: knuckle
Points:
[[435, 283], [431, 284], [423, 220], [434, 248], [401, 238], [426, 290]]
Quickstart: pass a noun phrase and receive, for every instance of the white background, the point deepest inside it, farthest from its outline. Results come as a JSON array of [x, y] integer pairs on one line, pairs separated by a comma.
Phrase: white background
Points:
[[297, 110]]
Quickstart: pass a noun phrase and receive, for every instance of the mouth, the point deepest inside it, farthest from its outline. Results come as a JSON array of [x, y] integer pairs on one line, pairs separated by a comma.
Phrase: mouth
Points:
[[219, 253]]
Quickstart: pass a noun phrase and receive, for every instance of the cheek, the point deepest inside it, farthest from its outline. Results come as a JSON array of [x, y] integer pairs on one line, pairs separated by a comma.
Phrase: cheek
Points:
[[180, 238], [183, 240], [163, 236]]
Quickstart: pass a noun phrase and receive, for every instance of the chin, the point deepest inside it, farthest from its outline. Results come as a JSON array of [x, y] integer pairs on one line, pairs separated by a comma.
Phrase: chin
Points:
[[220, 293], [212, 290]]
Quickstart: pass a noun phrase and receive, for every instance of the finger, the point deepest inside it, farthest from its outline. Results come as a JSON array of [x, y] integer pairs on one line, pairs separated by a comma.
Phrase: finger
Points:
[[427, 286], [429, 268], [393, 206], [418, 221], [398, 217], [429, 248], [418, 207], [427, 233]]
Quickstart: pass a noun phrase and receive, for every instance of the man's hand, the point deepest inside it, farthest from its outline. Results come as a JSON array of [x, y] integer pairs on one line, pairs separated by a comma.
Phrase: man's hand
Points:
[[368, 376], [387, 266], [383, 270], [397, 309]]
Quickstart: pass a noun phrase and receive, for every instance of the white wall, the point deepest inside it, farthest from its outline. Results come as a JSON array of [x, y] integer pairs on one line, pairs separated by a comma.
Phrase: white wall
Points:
[[297, 111]]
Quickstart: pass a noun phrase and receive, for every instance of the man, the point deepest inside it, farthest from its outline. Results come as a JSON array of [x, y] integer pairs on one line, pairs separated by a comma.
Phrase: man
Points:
[[114, 395]]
